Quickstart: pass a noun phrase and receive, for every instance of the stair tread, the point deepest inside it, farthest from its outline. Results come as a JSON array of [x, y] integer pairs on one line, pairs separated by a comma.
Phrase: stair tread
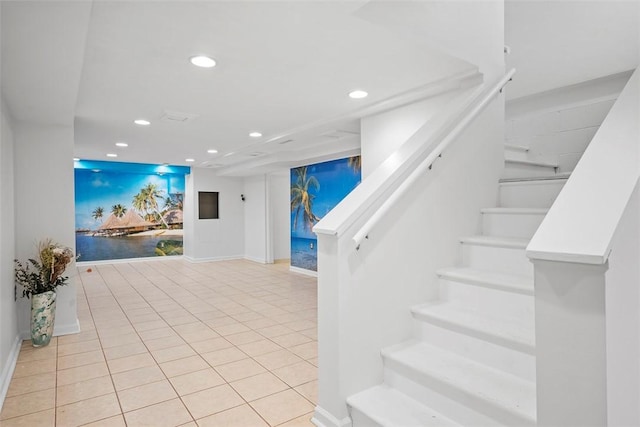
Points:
[[515, 211], [502, 330], [505, 242], [505, 281], [494, 387], [389, 407], [532, 163], [558, 176], [516, 147]]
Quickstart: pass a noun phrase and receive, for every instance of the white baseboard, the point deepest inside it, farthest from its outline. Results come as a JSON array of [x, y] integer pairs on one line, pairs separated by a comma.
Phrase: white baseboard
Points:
[[254, 259], [303, 271], [9, 367], [322, 418], [222, 258]]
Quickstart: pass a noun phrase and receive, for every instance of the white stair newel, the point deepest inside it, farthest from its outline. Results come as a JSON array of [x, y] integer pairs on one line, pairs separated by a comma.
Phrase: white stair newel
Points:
[[571, 366]]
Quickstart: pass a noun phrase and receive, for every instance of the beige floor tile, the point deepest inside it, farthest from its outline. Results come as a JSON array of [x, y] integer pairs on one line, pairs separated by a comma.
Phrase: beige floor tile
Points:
[[189, 424], [303, 421], [78, 347], [146, 395], [153, 334], [221, 357], [291, 340], [117, 421], [259, 347], [118, 340], [274, 331], [306, 351], [87, 411], [298, 373], [173, 353], [240, 369], [258, 386], [125, 350], [137, 377], [240, 416], [165, 414], [110, 331], [147, 326], [277, 359], [82, 373], [31, 383], [211, 344], [260, 323], [27, 368], [130, 362], [38, 419], [80, 359], [211, 401], [313, 361], [244, 337], [183, 366], [196, 381], [30, 354], [83, 390], [301, 325], [309, 391], [25, 404], [281, 407], [196, 337], [166, 342], [233, 328]]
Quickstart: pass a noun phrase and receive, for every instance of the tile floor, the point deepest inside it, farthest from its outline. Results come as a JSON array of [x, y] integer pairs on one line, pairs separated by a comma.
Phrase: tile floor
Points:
[[172, 343]]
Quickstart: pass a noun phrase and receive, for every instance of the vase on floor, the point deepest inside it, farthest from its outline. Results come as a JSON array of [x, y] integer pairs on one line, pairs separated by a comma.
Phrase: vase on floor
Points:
[[43, 316]]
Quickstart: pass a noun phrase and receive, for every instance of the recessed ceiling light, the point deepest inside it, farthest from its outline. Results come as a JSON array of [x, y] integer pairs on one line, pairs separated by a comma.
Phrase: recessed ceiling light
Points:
[[75, 159], [212, 151], [112, 155], [358, 94], [255, 134], [142, 122], [190, 160], [122, 144], [203, 61]]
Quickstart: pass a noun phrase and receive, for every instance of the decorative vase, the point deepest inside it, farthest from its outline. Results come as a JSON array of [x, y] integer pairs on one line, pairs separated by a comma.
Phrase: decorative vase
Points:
[[43, 316]]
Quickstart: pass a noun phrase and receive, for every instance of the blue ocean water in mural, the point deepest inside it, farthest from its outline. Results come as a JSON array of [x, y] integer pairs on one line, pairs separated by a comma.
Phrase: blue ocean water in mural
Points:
[[95, 248], [304, 253]]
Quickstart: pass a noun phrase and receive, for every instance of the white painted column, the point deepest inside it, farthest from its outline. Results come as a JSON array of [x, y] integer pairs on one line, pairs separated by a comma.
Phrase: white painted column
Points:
[[571, 366]]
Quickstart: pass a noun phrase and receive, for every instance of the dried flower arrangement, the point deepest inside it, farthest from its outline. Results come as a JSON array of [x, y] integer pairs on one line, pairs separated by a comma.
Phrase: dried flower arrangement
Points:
[[45, 274]]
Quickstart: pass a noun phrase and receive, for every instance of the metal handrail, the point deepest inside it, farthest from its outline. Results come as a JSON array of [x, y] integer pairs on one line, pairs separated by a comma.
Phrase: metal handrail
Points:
[[484, 99]]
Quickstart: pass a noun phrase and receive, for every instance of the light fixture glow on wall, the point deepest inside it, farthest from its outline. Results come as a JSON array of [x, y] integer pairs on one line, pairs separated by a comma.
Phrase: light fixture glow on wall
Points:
[[255, 134], [190, 160], [212, 151], [142, 122], [358, 94], [112, 155], [203, 61], [75, 159], [121, 144]]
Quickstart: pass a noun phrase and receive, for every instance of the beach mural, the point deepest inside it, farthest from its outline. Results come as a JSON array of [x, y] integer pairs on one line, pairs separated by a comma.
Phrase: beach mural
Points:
[[128, 210], [315, 190]]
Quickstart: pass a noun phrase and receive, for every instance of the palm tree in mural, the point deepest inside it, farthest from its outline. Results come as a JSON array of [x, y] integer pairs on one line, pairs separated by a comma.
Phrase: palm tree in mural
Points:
[[118, 210], [302, 199], [355, 163], [97, 213], [147, 200]]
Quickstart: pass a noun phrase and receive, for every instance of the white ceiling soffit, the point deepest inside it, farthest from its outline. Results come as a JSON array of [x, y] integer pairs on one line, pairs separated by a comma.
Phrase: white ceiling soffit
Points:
[[283, 68], [43, 44], [559, 43]]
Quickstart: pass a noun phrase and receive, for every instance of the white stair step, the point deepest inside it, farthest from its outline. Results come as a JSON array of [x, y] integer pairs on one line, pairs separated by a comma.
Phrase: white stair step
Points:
[[511, 332], [530, 193], [515, 152], [490, 279], [384, 406], [512, 222], [527, 168], [459, 387], [500, 254]]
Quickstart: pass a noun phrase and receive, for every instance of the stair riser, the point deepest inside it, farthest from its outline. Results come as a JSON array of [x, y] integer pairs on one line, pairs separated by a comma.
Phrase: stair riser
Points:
[[360, 419], [510, 225], [540, 194], [488, 301], [518, 170], [475, 347], [503, 260], [458, 405]]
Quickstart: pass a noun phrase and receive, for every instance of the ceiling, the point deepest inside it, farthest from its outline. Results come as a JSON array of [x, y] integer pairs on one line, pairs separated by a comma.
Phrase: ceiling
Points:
[[284, 69]]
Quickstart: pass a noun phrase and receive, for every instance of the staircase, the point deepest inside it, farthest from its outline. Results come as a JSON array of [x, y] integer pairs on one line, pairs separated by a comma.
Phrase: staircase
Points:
[[472, 358]]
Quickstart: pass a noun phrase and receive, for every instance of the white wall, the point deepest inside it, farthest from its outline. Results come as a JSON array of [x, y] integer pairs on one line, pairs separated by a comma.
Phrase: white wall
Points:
[[558, 125], [44, 207], [623, 319], [256, 219], [9, 340], [280, 205], [382, 134], [214, 239]]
